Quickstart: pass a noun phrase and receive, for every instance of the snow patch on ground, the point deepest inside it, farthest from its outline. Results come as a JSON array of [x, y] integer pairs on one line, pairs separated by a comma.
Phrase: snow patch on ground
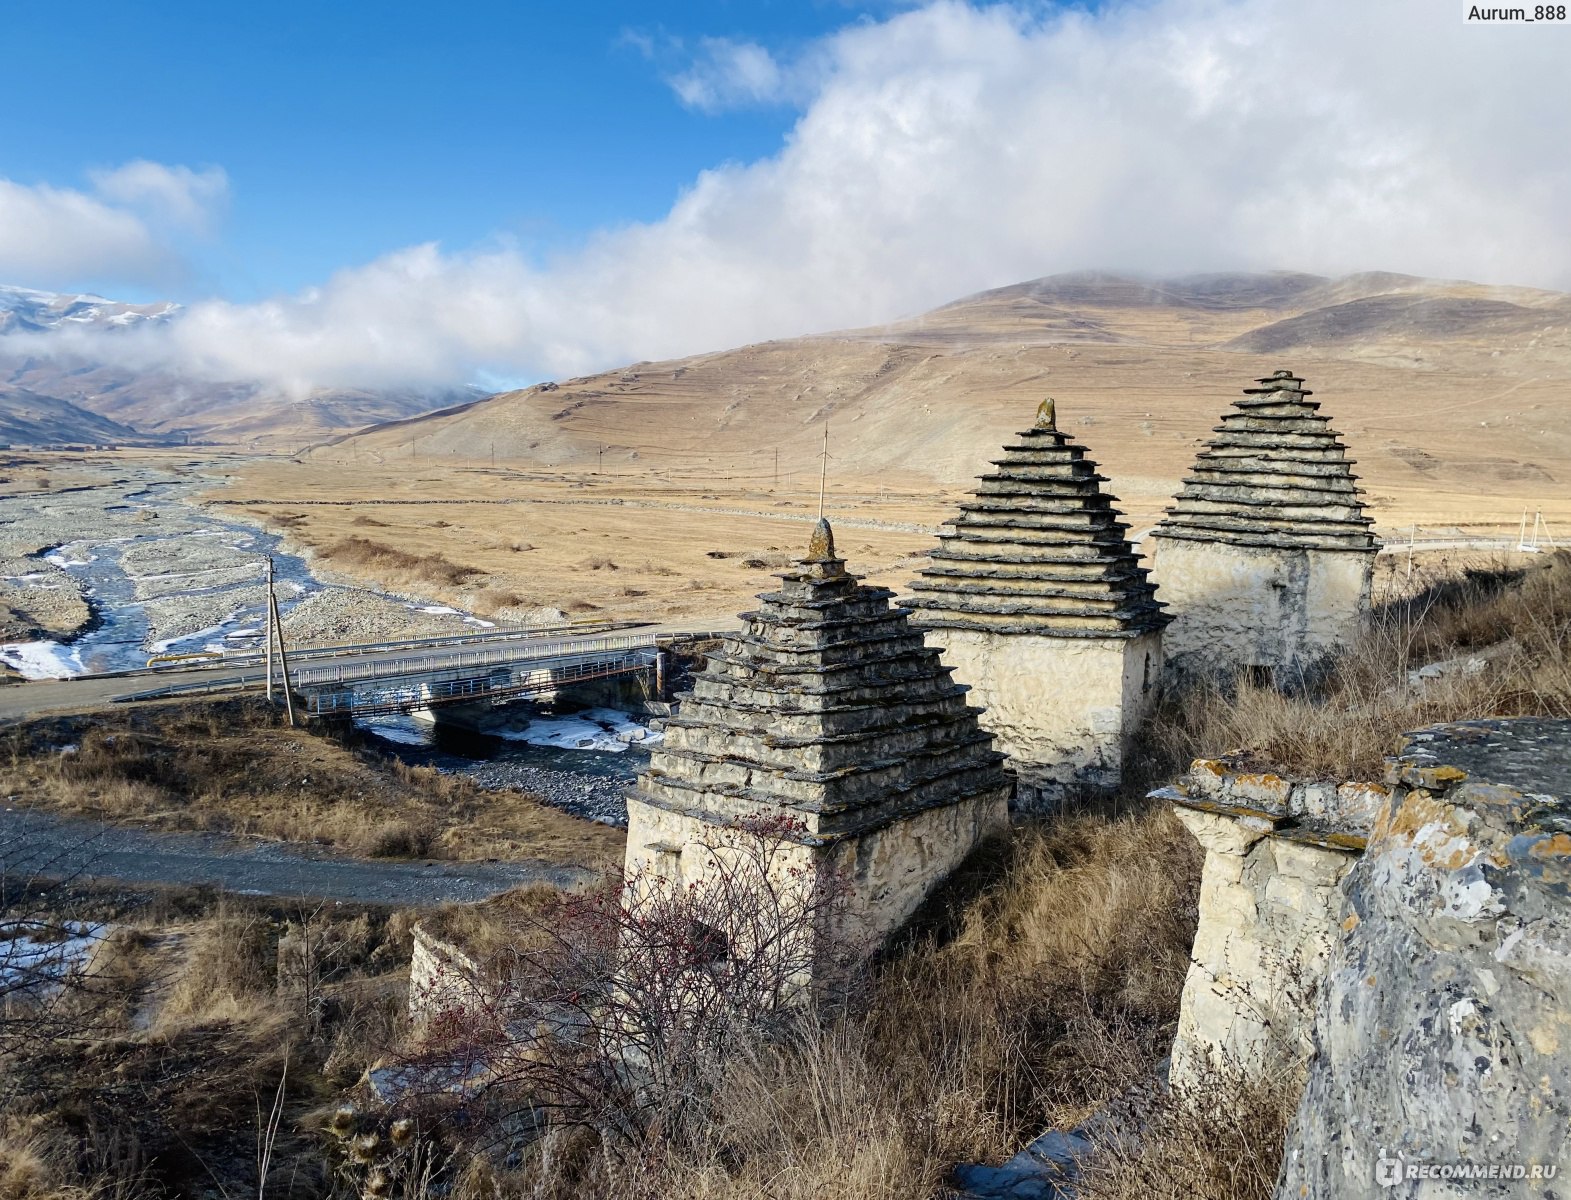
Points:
[[42, 660], [593, 729], [38, 957]]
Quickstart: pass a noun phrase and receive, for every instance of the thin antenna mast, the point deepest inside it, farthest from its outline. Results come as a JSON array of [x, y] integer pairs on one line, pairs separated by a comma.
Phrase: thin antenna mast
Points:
[[823, 473]]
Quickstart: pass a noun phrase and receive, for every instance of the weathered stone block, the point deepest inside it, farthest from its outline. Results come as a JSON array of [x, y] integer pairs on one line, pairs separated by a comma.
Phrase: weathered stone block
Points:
[[1441, 1030]]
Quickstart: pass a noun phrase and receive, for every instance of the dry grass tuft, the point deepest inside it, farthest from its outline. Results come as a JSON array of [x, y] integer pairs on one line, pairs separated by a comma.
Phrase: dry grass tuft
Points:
[[234, 767], [390, 564], [227, 976], [1222, 1140]]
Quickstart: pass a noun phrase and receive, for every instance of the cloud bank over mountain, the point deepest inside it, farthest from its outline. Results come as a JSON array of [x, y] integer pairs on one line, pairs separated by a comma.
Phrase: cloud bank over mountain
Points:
[[944, 150]]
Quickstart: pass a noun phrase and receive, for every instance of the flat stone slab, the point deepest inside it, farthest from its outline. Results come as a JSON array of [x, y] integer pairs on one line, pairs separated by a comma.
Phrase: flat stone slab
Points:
[[1529, 754]]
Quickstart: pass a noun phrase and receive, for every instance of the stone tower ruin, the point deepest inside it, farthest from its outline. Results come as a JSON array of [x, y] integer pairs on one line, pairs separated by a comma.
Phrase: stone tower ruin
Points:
[[1039, 604], [1266, 555], [828, 710]]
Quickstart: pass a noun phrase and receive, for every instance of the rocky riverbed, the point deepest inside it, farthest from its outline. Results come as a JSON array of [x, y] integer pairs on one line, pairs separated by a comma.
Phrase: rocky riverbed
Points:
[[124, 565]]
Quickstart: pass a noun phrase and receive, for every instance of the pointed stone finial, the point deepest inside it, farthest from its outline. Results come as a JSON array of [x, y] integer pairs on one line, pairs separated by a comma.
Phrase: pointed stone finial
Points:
[[1047, 415], [821, 546], [1279, 381]]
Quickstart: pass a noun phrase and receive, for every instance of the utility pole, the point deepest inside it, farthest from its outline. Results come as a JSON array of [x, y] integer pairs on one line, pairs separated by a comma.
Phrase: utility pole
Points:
[[269, 628], [283, 655], [823, 473]]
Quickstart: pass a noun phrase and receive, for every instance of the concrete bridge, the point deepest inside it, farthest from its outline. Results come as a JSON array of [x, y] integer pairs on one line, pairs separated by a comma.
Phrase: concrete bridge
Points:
[[387, 677]]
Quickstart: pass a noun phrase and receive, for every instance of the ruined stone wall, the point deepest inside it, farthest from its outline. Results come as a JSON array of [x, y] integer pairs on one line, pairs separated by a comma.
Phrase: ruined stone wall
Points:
[[1269, 909], [1062, 708], [1241, 606], [442, 978], [887, 871], [1276, 850]]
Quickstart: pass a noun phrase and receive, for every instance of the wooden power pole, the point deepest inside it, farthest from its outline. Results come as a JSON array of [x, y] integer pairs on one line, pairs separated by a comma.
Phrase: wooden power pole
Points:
[[269, 619], [276, 628]]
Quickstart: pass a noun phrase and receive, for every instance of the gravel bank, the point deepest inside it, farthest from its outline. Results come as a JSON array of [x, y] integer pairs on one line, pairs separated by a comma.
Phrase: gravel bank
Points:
[[343, 615], [592, 797], [38, 599]]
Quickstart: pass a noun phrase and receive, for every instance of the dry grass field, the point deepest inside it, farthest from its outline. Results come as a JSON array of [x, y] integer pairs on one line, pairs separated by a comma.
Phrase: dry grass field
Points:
[[235, 767], [670, 489]]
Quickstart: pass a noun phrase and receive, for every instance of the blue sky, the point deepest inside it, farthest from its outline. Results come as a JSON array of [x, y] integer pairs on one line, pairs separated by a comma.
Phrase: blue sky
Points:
[[356, 194], [349, 129]]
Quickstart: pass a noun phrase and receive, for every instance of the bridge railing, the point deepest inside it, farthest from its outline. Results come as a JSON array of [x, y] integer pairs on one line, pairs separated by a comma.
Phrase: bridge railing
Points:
[[367, 697], [417, 664]]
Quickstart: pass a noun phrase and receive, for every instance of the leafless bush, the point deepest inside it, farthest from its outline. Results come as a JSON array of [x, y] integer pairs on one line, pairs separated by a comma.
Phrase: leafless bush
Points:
[[49, 968], [617, 1010]]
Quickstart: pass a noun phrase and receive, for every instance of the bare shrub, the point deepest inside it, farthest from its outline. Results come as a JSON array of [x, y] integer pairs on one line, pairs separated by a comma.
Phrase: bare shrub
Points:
[[1045, 984], [617, 1010], [368, 522]]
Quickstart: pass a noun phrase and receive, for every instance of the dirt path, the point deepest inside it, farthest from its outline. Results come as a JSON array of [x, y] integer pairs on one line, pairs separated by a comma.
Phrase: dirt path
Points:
[[36, 843]]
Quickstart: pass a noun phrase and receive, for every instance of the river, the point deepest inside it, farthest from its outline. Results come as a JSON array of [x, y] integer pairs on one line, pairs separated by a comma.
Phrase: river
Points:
[[165, 575]]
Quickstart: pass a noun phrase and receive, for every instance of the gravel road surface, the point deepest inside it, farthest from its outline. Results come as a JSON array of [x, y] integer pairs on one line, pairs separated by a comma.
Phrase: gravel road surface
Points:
[[35, 843]]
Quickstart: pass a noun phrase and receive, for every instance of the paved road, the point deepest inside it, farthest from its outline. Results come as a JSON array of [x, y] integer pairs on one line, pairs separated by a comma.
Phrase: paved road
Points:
[[41, 844]]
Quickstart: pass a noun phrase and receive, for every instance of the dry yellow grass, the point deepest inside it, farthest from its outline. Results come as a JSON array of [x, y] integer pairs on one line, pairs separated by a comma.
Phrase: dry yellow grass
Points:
[[1044, 984], [1505, 633], [234, 766]]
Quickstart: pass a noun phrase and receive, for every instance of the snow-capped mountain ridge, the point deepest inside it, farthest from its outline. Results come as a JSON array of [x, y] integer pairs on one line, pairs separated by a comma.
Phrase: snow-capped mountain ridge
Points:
[[78, 389], [31, 311]]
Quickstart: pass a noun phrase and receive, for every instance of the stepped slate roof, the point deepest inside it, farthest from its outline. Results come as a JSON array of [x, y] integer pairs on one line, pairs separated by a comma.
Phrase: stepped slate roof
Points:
[[1038, 548], [1276, 475], [829, 709]]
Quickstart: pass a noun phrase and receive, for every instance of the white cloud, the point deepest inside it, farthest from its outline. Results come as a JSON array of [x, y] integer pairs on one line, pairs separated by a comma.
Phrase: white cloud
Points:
[[730, 74], [127, 228], [951, 148], [175, 195]]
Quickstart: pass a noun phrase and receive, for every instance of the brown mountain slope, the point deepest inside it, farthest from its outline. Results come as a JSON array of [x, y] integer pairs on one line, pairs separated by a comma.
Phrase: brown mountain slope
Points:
[[1448, 391], [654, 491]]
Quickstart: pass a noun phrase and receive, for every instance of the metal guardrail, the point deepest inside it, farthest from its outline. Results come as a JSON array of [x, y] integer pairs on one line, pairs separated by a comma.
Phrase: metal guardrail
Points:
[[430, 663], [360, 700]]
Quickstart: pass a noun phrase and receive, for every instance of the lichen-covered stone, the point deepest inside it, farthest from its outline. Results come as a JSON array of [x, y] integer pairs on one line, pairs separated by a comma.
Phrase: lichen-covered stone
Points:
[[1443, 1026]]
